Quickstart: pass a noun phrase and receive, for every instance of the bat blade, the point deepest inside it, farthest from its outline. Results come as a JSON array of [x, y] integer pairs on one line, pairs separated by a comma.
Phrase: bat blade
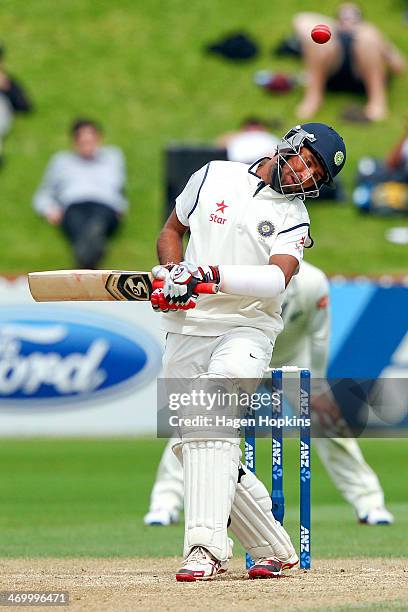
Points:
[[98, 285], [90, 285]]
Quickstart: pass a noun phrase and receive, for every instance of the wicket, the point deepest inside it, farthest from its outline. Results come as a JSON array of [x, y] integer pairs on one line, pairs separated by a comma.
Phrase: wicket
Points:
[[277, 493]]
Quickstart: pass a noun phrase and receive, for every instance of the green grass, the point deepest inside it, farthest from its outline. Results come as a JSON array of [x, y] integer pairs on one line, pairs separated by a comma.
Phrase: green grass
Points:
[[69, 498], [398, 604], [140, 69]]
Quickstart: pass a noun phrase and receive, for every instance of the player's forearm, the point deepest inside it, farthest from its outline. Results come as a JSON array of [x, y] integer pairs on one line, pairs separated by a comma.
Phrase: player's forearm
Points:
[[169, 246]]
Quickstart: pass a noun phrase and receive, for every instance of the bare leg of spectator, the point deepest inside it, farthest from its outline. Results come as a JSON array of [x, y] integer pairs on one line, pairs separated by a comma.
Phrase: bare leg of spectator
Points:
[[369, 53], [320, 61], [396, 63]]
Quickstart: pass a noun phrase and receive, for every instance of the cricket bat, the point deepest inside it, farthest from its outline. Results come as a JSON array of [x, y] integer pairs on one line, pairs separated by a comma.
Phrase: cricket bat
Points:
[[98, 285]]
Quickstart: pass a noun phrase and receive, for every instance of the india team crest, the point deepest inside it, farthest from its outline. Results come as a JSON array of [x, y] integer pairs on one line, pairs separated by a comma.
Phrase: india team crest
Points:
[[265, 228]]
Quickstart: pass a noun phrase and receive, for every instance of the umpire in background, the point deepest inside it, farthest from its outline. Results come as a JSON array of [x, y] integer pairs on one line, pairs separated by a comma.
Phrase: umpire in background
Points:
[[83, 192]]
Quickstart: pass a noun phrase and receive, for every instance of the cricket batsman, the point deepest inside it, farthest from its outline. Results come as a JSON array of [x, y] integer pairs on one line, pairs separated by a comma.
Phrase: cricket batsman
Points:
[[248, 228]]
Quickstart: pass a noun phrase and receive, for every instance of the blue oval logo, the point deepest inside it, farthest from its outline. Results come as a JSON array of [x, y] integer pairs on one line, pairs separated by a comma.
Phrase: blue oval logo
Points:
[[56, 355]]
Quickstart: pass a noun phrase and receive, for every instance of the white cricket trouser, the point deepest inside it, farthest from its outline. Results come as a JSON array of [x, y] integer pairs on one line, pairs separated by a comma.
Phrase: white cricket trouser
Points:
[[351, 474], [168, 488], [228, 355], [210, 465]]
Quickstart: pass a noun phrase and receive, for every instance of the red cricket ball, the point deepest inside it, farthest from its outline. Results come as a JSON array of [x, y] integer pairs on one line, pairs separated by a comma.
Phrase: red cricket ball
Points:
[[321, 33]]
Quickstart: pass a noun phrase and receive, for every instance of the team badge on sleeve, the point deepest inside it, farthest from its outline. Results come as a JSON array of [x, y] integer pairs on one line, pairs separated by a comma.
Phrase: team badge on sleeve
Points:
[[265, 228]]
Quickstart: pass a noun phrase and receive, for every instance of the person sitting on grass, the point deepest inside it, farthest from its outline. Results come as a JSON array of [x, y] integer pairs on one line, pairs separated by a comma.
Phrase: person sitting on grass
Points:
[[13, 99], [356, 59], [83, 192]]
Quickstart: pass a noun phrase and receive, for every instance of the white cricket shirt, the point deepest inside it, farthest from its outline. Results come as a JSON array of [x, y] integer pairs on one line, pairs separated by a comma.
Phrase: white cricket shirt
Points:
[[234, 218]]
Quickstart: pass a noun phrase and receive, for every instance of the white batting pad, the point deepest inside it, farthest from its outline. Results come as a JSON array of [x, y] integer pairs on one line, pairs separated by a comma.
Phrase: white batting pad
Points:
[[253, 523], [210, 479]]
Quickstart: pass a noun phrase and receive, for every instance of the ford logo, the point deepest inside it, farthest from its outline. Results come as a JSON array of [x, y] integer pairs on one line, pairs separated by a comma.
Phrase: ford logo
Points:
[[56, 355]]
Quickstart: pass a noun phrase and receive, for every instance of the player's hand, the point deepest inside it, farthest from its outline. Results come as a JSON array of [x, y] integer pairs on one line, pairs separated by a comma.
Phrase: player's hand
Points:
[[180, 282], [179, 286], [160, 272], [328, 414], [160, 304]]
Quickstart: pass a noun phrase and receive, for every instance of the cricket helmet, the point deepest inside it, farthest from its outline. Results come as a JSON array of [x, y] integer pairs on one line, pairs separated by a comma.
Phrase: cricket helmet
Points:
[[325, 144]]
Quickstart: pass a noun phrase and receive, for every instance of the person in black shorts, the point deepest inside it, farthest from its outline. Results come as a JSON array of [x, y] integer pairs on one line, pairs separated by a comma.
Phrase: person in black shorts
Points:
[[83, 192], [357, 59]]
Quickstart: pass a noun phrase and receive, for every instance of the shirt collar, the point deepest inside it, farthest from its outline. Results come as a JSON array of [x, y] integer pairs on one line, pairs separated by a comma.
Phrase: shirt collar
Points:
[[259, 185], [251, 169]]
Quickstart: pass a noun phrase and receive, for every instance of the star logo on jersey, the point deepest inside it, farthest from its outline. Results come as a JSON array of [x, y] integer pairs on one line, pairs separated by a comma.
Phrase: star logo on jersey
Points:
[[221, 207]]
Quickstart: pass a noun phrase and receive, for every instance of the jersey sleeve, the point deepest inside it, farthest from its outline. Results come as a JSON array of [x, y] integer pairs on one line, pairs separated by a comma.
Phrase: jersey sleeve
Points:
[[187, 201], [294, 235]]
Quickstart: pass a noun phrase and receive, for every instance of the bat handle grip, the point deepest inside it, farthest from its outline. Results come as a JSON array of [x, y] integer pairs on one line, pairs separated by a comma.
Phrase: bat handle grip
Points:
[[209, 288]]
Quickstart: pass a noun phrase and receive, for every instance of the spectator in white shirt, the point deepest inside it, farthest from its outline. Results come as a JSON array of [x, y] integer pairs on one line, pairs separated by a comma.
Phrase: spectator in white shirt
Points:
[[252, 141], [83, 192]]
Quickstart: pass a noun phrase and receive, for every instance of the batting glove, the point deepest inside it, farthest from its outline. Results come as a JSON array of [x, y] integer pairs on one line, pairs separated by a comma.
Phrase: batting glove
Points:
[[180, 282], [179, 285], [159, 302], [209, 274], [160, 272], [158, 299]]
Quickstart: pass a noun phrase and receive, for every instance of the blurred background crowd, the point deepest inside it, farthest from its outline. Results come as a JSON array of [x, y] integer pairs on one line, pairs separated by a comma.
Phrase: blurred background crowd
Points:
[[121, 107]]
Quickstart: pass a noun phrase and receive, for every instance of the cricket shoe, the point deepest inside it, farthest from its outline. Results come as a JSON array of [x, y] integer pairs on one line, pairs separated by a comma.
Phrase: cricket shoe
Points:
[[200, 565], [162, 518], [377, 516], [270, 567]]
